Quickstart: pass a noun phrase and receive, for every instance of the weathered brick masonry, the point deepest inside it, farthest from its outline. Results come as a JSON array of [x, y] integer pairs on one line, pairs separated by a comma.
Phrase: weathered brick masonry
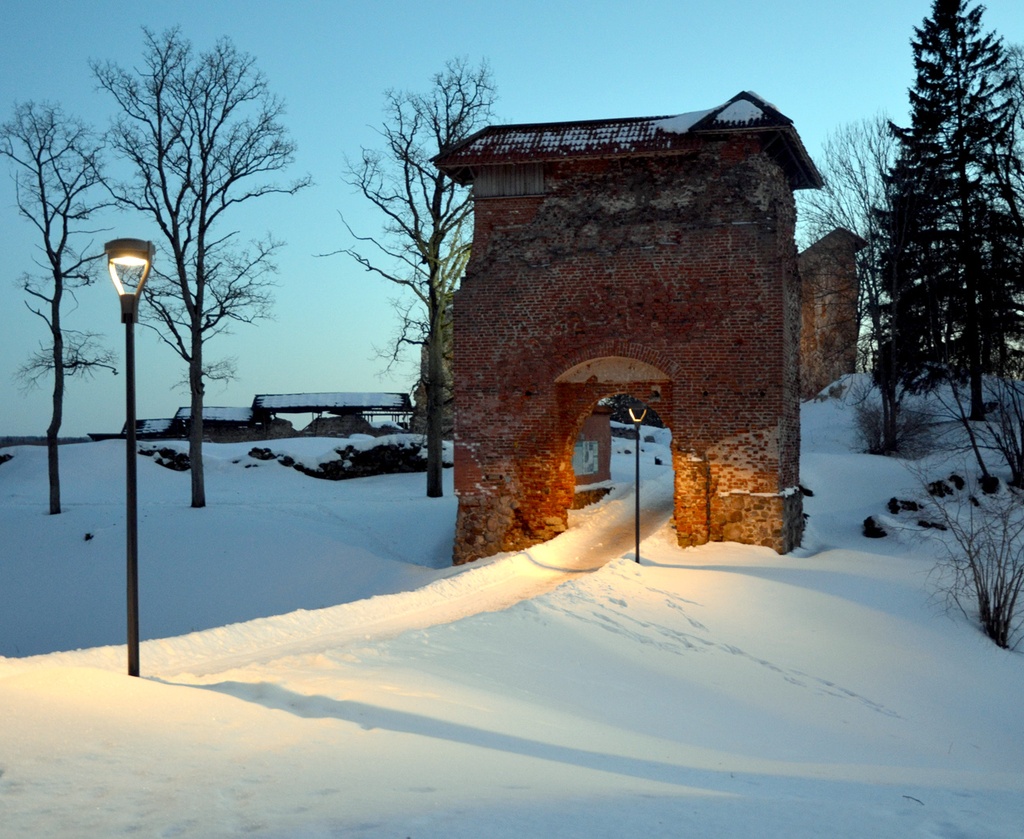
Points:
[[828, 338], [661, 265]]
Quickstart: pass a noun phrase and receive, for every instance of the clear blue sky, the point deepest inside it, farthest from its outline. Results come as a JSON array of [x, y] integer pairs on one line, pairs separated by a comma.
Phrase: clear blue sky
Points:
[[823, 64]]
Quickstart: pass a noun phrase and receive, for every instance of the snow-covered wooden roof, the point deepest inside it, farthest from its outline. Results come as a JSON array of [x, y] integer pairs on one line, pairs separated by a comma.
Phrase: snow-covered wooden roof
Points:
[[331, 402], [539, 142], [154, 427], [217, 414]]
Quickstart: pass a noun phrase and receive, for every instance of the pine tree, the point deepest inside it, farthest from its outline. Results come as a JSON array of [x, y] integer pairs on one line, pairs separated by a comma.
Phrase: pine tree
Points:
[[960, 125]]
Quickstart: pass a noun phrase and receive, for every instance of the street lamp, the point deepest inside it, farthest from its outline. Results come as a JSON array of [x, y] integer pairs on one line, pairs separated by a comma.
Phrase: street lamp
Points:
[[636, 422], [129, 261]]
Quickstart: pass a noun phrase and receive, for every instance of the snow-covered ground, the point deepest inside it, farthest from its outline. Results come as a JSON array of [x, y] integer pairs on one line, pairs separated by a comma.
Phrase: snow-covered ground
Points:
[[314, 667]]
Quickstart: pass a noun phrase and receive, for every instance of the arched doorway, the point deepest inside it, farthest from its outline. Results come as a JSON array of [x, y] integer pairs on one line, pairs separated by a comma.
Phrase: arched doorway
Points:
[[630, 465], [585, 383]]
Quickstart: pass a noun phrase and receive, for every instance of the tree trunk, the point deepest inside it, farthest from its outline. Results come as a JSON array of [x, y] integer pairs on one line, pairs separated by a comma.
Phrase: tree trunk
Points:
[[972, 336], [52, 448], [887, 369], [890, 413], [435, 387], [195, 437], [969, 258], [57, 415]]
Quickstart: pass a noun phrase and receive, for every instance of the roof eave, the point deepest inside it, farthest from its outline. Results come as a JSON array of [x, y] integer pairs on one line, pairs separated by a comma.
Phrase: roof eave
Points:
[[794, 159], [781, 143]]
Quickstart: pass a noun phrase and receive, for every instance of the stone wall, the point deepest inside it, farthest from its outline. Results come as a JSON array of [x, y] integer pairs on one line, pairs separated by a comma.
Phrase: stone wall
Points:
[[275, 430], [672, 279], [828, 342]]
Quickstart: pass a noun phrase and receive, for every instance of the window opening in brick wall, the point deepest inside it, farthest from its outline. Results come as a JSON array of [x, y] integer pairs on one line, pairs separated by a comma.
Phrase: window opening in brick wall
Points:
[[509, 180]]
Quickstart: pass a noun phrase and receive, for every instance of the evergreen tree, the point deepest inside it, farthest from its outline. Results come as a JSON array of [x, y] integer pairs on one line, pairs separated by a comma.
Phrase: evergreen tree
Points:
[[960, 126], [918, 281]]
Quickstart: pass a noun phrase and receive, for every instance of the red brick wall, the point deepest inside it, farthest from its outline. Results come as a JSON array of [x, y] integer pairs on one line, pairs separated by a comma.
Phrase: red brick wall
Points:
[[686, 264], [828, 342]]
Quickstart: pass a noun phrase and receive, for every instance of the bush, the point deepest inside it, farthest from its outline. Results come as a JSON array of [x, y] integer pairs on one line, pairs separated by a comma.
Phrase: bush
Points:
[[913, 430], [984, 568]]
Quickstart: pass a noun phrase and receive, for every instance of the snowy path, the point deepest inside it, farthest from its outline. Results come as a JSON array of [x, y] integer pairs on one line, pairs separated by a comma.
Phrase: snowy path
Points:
[[599, 538], [596, 536]]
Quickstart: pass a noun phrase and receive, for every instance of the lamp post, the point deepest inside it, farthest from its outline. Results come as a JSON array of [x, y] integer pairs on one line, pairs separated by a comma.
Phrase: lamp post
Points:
[[129, 261], [636, 422]]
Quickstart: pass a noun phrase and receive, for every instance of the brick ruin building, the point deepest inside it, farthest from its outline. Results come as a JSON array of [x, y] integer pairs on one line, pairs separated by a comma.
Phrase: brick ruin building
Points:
[[648, 256], [828, 335]]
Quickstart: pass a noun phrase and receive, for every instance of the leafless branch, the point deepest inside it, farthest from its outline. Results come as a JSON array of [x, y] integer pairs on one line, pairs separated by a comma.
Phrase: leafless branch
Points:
[[425, 236], [202, 133]]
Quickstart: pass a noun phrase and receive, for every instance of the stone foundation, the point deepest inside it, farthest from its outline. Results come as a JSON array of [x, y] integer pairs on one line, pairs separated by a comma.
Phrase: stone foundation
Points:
[[584, 496], [773, 521], [494, 525]]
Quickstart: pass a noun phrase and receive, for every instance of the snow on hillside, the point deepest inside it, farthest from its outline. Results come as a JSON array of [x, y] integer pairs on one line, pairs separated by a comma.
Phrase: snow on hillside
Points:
[[343, 680]]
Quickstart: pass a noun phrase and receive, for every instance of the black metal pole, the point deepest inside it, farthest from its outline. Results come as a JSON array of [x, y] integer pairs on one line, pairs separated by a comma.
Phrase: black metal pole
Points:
[[637, 517], [131, 484]]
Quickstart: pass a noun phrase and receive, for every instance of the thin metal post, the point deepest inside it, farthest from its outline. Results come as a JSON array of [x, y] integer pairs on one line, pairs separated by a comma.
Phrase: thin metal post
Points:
[[637, 517], [131, 484], [135, 257], [637, 420]]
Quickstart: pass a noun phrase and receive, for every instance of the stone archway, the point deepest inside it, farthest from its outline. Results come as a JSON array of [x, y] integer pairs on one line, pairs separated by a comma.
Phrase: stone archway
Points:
[[612, 370], [581, 388], [640, 255]]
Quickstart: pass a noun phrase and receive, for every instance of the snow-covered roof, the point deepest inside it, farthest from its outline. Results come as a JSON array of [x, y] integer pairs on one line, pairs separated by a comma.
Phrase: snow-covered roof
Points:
[[333, 402], [154, 426], [213, 413], [532, 143]]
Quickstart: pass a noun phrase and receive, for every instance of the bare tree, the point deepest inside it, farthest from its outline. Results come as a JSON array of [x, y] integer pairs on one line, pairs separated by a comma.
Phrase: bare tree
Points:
[[1004, 425], [56, 162], [427, 229], [865, 193], [202, 133], [1002, 430], [984, 568]]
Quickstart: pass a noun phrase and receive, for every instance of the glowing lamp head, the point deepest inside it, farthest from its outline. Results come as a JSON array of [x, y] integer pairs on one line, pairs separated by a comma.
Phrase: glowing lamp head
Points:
[[129, 261]]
